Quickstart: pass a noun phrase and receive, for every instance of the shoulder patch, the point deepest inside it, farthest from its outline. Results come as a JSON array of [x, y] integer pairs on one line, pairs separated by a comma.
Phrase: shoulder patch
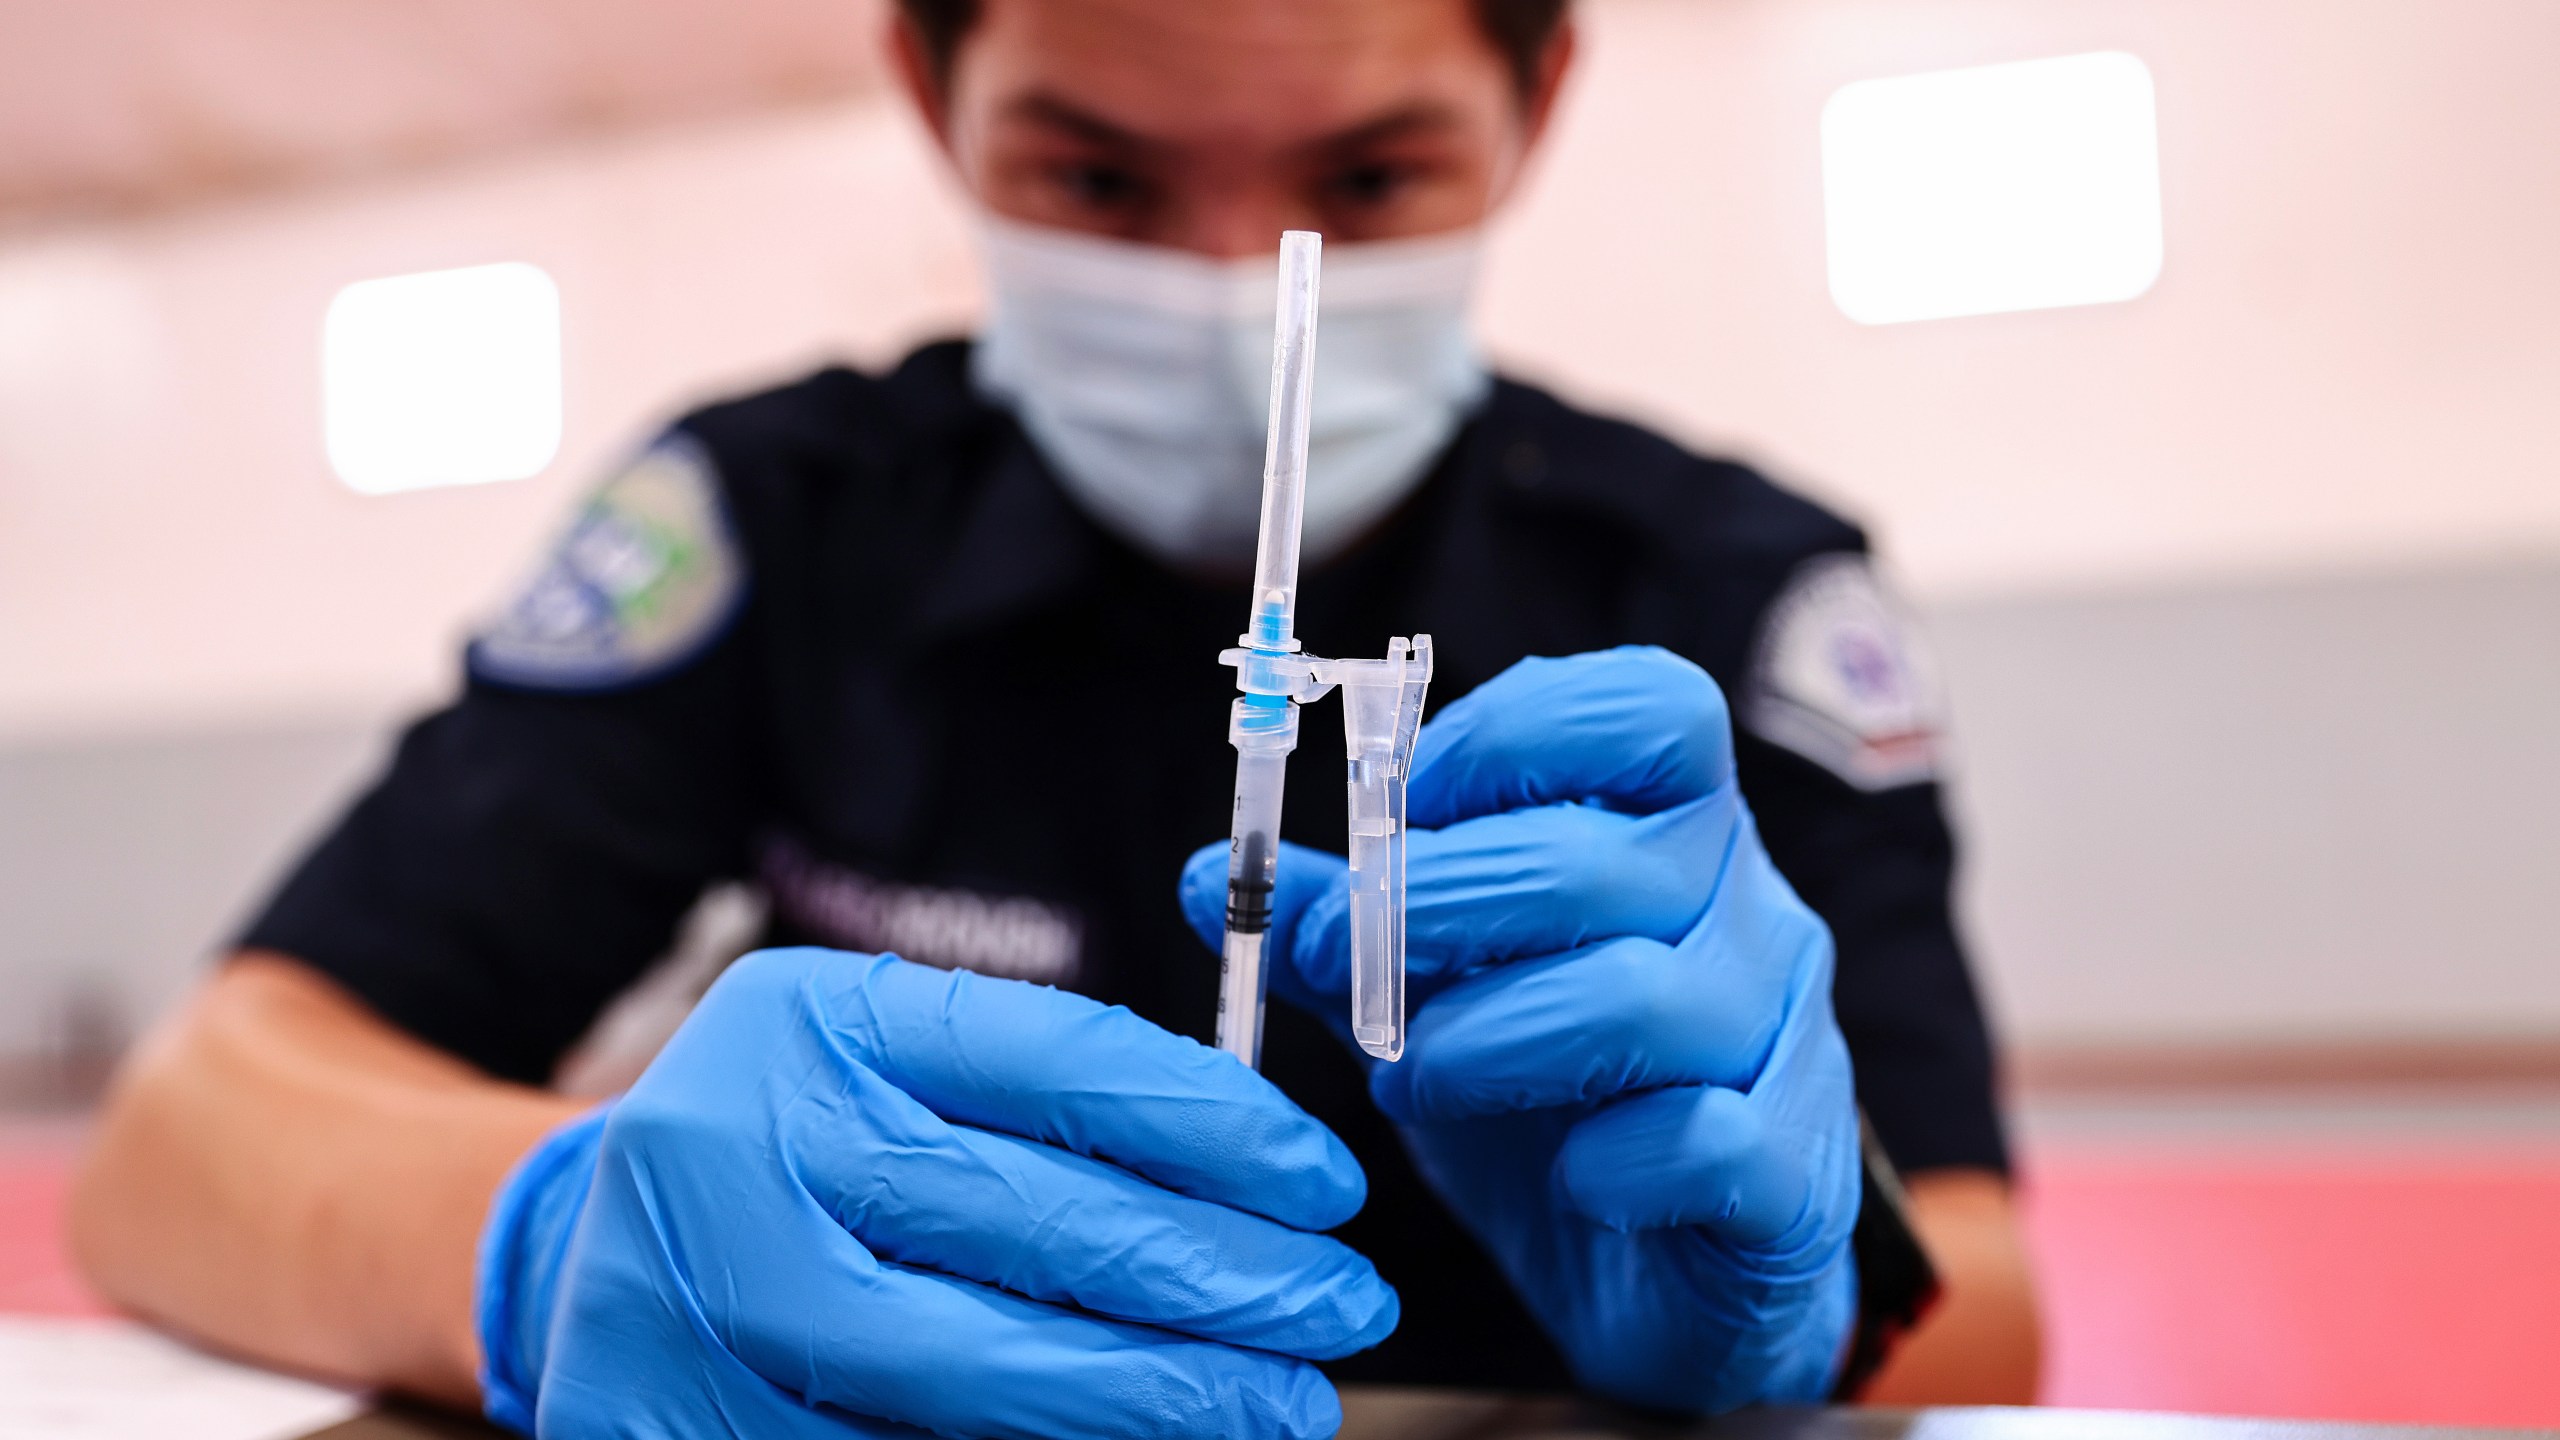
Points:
[[647, 575], [1839, 677]]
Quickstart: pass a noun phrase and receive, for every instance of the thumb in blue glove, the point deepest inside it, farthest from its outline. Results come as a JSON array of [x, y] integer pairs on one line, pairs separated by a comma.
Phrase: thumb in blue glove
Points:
[[856, 1196], [1622, 1072]]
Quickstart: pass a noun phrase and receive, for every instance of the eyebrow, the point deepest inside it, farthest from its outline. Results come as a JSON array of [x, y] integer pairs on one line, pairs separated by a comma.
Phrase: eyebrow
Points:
[[1420, 117], [1058, 114]]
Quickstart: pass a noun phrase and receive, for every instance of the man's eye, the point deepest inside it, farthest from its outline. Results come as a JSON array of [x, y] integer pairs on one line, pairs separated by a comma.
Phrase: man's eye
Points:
[[1371, 184], [1101, 187]]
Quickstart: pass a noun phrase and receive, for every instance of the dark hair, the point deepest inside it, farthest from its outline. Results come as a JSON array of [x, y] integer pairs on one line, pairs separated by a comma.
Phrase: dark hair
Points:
[[1520, 29]]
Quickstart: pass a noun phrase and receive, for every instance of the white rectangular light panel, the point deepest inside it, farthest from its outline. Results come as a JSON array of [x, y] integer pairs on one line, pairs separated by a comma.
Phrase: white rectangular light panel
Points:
[[2009, 187], [449, 377]]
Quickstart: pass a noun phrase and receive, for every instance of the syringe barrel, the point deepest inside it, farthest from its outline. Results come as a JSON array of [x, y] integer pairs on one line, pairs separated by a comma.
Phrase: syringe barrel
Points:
[[1264, 730], [1284, 456]]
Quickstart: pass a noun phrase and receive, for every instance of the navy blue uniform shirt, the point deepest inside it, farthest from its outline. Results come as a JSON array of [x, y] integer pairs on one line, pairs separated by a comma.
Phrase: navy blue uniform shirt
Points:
[[878, 662]]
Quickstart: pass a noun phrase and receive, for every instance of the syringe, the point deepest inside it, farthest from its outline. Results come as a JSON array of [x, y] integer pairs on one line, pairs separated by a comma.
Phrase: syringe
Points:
[[1382, 708]]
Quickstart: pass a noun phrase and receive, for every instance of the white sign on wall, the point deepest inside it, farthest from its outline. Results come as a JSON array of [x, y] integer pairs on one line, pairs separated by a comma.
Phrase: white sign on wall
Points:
[[448, 377], [2026, 186]]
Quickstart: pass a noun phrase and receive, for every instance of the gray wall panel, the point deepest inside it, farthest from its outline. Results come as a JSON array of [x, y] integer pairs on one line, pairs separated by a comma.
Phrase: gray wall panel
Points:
[[123, 863], [2320, 810]]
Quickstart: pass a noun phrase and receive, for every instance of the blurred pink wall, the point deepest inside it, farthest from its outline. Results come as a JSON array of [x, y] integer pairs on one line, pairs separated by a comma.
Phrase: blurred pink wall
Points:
[[2350, 358], [2347, 363], [173, 549], [117, 105]]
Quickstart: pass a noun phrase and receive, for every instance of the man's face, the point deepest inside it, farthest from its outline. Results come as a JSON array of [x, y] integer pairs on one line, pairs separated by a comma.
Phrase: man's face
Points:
[[1213, 125]]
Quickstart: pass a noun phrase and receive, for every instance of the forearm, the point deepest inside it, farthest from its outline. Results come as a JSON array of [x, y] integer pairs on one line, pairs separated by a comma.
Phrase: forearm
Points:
[[1979, 1344], [280, 1173]]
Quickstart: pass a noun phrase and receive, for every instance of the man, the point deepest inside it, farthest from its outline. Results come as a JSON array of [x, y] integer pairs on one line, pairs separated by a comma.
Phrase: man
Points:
[[929, 656]]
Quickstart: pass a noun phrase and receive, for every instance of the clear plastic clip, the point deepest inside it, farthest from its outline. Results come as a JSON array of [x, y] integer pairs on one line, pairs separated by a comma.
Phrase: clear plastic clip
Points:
[[1381, 715]]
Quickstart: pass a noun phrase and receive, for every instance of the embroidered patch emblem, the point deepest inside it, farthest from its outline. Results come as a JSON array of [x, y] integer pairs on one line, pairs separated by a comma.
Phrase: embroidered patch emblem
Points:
[[648, 574], [1840, 678]]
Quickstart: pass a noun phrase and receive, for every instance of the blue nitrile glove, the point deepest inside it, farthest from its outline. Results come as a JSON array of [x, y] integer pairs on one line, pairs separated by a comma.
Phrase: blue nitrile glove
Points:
[[855, 1195], [1621, 1069]]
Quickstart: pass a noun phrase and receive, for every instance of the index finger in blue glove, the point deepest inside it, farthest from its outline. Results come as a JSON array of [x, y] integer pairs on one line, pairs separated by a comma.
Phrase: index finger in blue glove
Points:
[[1569, 1029], [965, 1359], [1626, 1015], [1491, 889], [1536, 882], [1637, 728], [1051, 1225], [1058, 1068], [1690, 1155], [1770, 1171]]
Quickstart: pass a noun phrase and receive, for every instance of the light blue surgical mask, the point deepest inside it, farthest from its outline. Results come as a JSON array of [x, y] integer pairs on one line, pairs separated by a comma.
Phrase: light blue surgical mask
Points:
[[1144, 374]]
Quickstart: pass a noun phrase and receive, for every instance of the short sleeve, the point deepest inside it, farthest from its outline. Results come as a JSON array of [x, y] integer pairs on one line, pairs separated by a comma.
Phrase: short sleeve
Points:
[[1839, 728], [531, 848]]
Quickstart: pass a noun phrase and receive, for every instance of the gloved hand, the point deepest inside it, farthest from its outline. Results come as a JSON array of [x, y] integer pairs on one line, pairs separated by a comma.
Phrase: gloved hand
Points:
[[855, 1195], [1621, 1069]]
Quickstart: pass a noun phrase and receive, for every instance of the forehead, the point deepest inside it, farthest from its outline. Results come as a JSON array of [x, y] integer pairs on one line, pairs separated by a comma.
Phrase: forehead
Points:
[[1233, 66]]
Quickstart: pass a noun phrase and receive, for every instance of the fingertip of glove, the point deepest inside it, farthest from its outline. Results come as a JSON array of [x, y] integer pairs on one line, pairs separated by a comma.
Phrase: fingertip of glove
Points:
[[1275, 1159], [1307, 1407], [1320, 1189], [1340, 1309], [1368, 1311]]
